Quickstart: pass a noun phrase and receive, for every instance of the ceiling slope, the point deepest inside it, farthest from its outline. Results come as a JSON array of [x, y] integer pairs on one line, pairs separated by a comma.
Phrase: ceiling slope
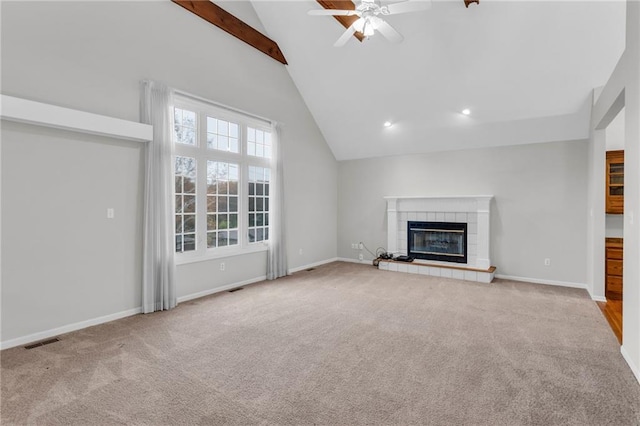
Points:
[[525, 69]]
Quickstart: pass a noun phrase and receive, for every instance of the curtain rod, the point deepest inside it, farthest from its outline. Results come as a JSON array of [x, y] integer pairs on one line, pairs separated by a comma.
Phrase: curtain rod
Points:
[[218, 104]]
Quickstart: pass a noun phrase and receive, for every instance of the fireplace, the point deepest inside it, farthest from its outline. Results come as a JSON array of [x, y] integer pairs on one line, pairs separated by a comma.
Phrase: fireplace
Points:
[[443, 241]]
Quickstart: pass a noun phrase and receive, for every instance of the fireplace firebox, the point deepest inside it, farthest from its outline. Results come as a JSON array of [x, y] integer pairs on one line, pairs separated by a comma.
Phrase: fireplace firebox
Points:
[[443, 241]]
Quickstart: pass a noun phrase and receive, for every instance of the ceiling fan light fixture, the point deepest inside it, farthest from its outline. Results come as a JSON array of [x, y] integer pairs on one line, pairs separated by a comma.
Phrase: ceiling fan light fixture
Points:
[[466, 111], [388, 124]]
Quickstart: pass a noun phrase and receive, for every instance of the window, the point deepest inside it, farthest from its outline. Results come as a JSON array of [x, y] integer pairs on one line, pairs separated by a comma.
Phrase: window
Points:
[[222, 181]]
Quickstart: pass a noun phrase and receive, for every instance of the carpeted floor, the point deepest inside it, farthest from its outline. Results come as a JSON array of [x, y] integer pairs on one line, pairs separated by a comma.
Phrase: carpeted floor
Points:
[[342, 344]]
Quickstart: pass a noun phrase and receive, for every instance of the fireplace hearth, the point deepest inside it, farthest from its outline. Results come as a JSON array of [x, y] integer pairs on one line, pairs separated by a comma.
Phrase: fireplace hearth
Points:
[[442, 241]]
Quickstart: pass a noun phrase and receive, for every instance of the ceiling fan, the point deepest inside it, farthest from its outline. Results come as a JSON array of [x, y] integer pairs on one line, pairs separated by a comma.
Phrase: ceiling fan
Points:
[[368, 12]]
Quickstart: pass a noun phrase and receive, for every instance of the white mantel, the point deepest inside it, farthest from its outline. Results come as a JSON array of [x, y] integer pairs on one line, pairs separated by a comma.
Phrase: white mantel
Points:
[[473, 210]]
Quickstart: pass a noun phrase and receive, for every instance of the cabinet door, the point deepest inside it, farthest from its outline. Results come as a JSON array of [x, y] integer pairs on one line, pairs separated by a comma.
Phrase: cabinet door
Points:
[[615, 182]]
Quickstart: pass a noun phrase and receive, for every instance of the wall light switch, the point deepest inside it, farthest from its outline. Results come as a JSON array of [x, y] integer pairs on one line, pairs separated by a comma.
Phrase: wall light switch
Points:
[[110, 213]]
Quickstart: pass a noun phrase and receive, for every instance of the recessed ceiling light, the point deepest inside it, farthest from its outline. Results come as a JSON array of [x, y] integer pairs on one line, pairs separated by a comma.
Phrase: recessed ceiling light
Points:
[[387, 124], [466, 111]]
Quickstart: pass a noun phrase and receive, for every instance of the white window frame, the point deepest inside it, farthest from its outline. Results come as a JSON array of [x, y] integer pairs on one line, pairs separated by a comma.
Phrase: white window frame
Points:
[[202, 154]]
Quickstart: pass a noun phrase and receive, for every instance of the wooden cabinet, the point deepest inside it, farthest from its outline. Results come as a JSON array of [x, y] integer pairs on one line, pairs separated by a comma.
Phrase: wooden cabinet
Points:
[[614, 203], [613, 268]]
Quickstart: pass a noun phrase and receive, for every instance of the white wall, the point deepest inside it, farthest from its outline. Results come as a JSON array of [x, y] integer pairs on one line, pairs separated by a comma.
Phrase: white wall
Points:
[[63, 261], [622, 89], [538, 211]]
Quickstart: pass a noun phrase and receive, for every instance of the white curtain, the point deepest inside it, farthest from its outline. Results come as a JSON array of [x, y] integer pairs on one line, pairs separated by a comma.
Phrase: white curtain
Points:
[[158, 273], [277, 254]]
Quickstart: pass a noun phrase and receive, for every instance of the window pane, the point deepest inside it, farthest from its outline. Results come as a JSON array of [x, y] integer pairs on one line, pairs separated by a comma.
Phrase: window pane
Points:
[[259, 219], [211, 239], [251, 134], [233, 221], [252, 188], [211, 204], [233, 145], [211, 222], [266, 233], [178, 184], [184, 126], [179, 206], [259, 234], [252, 235], [223, 128], [179, 224], [223, 143], [179, 243], [266, 219], [233, 130], [189, 223], [233, 187], [260, 144], [189, 203], [222, 238], [233, 204], [223, 223], [259, 204], [222, 204], [259, 189], [189, 242], [233, 238], [252, 219], [252, 206]]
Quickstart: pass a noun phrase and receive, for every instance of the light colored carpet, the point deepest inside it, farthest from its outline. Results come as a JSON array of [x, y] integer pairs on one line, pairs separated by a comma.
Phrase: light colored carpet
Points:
[[342, 344]]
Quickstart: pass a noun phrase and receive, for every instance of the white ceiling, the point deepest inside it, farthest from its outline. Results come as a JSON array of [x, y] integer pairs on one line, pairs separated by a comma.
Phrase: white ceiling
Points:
[[525, 69]]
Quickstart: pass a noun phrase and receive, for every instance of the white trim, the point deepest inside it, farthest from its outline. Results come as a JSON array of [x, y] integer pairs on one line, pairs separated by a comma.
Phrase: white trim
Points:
[[41, 114], [634, 368], [541, 281], [186, 257], [313, 265], [223, 106], [350, 260], [67, 328], [597, 298], [220, 289]]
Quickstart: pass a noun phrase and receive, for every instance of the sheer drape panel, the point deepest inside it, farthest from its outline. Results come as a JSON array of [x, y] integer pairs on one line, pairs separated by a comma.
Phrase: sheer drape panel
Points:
[[158, 273], [277, 254]]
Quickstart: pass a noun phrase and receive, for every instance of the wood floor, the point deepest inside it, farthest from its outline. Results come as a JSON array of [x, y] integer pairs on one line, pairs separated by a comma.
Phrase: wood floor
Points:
[[612, 311]]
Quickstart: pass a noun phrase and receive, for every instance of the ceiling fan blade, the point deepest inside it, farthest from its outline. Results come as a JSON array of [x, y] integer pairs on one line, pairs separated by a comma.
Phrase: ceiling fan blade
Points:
[[388, 31], [344, 38], [334, 12], [408, 6]]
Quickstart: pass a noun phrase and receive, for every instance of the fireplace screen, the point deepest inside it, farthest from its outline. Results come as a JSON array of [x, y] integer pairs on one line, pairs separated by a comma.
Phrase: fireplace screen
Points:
[[444, 241]]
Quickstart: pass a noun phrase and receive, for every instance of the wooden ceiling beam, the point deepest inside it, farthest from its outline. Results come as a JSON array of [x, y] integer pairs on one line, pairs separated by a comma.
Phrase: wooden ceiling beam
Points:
[[346, 21], [222, 19]]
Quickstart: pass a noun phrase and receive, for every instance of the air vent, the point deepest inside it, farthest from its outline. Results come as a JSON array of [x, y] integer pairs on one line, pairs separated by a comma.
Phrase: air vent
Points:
[[42, 343], [235, 289]]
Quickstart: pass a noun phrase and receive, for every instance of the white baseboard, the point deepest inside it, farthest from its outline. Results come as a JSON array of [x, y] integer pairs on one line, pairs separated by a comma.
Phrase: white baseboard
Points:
[[220, 289], [597, 298], [313, 265], [67, 329], [348, 259], [545, 282], [634, 368]]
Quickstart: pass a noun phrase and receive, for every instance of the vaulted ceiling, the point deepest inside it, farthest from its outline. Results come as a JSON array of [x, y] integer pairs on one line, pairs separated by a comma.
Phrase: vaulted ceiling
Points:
[[525, 69]]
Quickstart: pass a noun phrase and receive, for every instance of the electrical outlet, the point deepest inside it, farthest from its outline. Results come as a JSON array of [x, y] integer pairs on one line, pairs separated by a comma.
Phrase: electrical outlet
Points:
[[547, 262], [222, 266], [360, 256]]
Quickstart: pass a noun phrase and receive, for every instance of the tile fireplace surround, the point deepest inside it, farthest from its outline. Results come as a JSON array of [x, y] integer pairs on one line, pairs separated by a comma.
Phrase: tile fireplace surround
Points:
[[475, 211]]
